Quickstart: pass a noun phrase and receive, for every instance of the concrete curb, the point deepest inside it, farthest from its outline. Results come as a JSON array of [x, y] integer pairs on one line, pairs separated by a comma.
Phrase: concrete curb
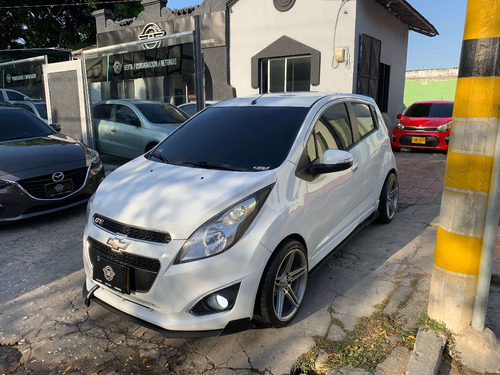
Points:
[[427, 353]]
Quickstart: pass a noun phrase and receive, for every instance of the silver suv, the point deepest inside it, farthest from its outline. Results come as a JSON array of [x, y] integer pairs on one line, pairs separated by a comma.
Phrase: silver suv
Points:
[[129, 128]]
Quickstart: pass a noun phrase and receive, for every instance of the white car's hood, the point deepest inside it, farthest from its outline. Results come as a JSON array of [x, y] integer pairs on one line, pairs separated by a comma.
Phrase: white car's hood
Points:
[[172, 198]]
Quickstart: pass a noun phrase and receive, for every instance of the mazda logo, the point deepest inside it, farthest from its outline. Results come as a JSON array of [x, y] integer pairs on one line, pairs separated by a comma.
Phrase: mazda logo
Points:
[[57, 177]]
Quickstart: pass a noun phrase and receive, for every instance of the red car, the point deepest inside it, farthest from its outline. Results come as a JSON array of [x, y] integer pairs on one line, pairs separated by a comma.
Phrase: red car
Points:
[[424, 125]]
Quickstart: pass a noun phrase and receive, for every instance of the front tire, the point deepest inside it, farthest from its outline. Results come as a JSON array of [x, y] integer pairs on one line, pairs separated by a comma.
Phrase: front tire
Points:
[[389, 198], [283, 285]]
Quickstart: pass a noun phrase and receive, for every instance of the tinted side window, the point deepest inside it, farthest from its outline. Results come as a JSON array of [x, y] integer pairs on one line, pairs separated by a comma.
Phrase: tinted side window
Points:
[[364, 118], [338, 119], [161, 114], [102, 112], [331, 132], [126, 115], [12, 95]]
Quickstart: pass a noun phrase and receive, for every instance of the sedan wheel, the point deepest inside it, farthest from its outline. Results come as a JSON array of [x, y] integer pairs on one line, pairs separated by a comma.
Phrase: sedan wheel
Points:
[[389, 198], [283, 286]]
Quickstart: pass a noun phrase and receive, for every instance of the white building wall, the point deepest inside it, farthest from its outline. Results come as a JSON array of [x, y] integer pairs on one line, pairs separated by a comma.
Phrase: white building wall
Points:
[[372, 19], [255, 24]]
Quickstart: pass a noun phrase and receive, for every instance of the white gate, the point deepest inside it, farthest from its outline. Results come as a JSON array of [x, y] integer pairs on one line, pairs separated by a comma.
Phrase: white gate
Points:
[[67, 99]]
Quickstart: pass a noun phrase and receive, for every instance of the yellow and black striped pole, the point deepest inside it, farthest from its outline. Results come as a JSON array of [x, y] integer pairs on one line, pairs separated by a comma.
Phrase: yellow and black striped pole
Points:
[[469, 175]]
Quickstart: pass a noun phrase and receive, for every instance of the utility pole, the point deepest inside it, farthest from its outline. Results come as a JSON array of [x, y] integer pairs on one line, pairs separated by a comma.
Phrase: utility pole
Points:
[[470, 196]]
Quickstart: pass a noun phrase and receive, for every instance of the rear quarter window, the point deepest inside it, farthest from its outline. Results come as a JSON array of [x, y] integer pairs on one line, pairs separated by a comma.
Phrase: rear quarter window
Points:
[[364, 118]]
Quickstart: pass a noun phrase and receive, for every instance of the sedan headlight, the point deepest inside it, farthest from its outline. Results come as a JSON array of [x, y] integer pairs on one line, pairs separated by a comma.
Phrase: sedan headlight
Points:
[[92, 157], [224, 230], [444, 127], [400, 126], [5, 184]]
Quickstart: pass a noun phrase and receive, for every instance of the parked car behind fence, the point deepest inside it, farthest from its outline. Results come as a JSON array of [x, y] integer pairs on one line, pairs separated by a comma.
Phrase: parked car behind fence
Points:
[[129, 128]]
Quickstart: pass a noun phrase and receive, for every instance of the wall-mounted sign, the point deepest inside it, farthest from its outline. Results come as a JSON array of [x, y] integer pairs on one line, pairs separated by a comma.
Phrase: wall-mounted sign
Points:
[[150, 31]]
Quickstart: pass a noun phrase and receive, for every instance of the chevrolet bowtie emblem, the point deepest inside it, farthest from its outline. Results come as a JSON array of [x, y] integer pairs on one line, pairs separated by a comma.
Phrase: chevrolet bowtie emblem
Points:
[[117, 243]]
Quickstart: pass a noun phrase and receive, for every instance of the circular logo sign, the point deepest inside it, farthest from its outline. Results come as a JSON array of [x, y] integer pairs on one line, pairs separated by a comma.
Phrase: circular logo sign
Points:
[[150, 31], [283, 5], [8, 78], [117, 67]]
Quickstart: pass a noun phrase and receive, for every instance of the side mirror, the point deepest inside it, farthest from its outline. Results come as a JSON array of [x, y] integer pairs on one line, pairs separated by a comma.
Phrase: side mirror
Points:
[[399, 115], [135, 122], [333, 161], [55, 127]]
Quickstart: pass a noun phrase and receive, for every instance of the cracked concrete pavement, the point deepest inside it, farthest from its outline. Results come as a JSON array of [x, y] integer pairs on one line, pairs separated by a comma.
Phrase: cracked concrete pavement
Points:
[[42, 312]]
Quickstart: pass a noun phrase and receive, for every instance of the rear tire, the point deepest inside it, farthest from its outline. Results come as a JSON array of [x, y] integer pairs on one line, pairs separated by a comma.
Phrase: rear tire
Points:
[[283, 285], [389, 198]]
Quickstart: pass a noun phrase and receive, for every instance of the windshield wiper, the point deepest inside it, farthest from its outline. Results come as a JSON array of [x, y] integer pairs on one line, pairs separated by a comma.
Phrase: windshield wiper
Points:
[[161, 157], [207, 165]]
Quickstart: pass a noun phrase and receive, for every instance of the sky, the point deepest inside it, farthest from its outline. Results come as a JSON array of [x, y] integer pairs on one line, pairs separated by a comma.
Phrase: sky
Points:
[[441, 51]]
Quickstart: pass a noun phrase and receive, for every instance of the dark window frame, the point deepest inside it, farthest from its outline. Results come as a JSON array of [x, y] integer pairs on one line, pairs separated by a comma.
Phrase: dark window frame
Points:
[[285, 47]]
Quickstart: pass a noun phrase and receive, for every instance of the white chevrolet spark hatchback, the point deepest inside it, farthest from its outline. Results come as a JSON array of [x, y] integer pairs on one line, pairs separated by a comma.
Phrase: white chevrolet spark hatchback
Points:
[[220, 224]]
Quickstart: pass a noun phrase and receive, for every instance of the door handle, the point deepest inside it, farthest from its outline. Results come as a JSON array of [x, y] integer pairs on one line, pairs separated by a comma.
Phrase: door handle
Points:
[[113, 130]]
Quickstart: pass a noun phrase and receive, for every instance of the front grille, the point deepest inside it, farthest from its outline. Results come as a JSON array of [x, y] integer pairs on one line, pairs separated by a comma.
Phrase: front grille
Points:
[[423, 129], [35, 186], [430, 141], [82, 198], [143, 271], [131, 231]]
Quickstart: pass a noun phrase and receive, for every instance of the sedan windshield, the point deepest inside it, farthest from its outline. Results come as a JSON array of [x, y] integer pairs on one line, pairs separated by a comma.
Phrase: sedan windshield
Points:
[[161, 113], [21, 124], [234, 138], [430, 110]]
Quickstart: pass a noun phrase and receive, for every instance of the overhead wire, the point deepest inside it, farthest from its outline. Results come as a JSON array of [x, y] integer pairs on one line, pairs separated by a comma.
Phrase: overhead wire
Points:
[[26, 6]]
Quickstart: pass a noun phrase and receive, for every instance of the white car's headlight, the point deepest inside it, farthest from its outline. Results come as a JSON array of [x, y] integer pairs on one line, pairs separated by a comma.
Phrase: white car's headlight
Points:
[[224, 230], [444, 127]]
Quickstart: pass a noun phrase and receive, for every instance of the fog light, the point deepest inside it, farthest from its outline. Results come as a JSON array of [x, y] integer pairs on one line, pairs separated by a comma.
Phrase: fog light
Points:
[[216, 302]]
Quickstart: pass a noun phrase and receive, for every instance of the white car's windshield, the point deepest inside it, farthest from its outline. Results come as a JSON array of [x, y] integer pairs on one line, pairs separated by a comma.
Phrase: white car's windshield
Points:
[[234, 138]]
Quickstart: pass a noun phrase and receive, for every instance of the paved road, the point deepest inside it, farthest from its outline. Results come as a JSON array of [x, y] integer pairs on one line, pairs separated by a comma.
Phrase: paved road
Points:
[[43, 318]]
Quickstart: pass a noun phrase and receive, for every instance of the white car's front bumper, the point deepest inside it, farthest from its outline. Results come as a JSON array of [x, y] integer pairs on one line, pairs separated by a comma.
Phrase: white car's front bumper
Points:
[[178, 287]]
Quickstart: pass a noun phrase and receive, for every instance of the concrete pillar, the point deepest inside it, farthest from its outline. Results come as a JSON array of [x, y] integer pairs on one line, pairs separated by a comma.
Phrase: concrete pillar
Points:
[[469, 169]]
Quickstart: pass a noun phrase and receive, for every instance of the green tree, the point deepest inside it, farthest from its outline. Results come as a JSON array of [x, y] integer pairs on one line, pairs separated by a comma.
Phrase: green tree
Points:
[[64, 23]]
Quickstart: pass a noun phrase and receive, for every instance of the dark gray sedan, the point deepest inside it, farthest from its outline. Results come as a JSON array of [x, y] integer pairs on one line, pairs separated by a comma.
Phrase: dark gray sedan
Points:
[[42, 171]]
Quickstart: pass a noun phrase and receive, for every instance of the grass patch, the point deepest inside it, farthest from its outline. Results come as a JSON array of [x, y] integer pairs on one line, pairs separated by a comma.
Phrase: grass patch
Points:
[[306, 363], [438, 327], [368, 344]]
